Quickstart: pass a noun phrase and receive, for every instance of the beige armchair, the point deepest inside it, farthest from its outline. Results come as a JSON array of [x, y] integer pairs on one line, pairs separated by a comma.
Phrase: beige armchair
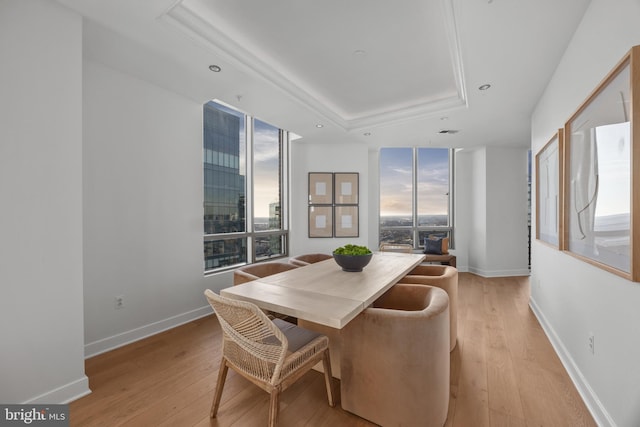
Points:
[[302, 260], [252, 272], [443, 277], [256, 271], [395, 359]]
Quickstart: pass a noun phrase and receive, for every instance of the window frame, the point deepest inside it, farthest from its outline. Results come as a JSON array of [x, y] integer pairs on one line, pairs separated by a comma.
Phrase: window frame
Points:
[[250, 235], [416, 229]]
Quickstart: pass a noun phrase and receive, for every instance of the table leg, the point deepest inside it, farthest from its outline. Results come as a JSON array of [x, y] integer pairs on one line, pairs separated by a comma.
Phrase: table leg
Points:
[[335, 343]]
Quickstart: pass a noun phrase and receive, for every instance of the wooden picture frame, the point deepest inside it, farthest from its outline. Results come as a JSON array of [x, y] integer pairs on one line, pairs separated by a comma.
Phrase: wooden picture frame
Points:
[[601, 212], [320, 188], [346, 221], [346, 188], [549, 163], [320, 221]]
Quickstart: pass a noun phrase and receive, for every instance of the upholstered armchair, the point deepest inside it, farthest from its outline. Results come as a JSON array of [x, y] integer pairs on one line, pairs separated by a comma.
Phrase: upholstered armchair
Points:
[[395, 358], [443, 277], [252, 272], [256, 271], [306, 259]]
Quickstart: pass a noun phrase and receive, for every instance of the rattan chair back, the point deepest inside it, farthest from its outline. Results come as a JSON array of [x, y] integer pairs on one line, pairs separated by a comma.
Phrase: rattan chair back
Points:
[[258, 349]]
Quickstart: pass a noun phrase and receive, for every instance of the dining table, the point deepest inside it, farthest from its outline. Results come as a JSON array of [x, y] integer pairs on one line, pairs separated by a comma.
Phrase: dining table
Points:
[[323, 297]]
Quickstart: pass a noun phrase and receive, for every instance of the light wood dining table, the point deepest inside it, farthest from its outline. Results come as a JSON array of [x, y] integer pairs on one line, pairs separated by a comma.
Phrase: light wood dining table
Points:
[[323, 297]]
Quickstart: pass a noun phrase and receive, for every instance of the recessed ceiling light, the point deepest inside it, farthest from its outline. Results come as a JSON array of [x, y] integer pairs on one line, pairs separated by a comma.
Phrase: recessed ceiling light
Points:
[[484, 87], [444, 118], [367, 134], [448, 131], [319, 125], [359, 53], [215, 68]]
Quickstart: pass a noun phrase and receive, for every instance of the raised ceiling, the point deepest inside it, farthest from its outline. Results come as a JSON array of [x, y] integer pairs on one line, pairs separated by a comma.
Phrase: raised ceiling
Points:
[[343, 58], [380, 72]]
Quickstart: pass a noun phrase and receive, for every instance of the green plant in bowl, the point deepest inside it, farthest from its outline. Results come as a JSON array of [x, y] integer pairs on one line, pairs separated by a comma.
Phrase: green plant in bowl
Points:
[[352, 250], [352, 257]]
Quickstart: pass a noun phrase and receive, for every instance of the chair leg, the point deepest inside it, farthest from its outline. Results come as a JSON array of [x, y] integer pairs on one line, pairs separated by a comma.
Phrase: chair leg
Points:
[[328, 377], [274, 407], [222, 376]]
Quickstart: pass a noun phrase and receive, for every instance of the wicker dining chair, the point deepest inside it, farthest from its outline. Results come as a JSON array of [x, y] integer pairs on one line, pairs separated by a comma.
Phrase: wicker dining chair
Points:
[[272, 354]]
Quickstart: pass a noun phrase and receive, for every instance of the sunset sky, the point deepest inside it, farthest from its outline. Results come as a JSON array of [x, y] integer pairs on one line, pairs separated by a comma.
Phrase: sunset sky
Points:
[[396, 181]]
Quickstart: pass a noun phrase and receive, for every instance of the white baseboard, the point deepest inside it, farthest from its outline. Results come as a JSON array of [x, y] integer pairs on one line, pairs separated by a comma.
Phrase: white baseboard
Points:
[[115, 341], [64, 394], [598, 411], [499, 273]]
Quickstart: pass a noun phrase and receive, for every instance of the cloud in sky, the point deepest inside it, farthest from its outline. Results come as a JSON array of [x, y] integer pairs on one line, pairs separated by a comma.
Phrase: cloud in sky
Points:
[[266, 159], [614, 167], [396, 182]]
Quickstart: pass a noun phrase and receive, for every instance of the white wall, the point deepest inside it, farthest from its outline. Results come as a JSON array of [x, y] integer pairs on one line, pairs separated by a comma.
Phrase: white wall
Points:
[[463, 214], [142, 209], [507, 207], [491, 210], [477, 239], [309, 156], [573, 298], [41, 323]]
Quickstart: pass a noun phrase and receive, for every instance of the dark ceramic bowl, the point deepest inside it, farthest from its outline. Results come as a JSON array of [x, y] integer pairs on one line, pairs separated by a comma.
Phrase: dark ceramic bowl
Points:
[[352, 262]]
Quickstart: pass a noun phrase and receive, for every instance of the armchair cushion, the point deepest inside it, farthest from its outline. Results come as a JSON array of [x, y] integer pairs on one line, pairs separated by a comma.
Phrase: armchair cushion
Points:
[[442, 242], [297, 337], [432, 246]]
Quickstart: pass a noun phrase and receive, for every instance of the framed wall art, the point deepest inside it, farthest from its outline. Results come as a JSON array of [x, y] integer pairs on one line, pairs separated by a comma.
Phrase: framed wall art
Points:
[[548, 191], [320, 188], [333, 204], [320, 221], [346, 221], [346, 188], [602, 224]]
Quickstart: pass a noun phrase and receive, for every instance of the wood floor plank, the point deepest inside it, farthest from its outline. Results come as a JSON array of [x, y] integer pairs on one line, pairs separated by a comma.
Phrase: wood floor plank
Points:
[[504, 372], [504, 395], [472, 398], [498, 419]]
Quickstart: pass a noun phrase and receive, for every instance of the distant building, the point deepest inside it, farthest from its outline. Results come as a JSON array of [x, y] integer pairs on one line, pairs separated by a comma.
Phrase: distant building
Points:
[[224, 186]]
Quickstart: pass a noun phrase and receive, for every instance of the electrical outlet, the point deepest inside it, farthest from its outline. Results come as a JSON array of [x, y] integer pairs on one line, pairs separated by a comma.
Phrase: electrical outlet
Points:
[[592, 344], [119, 302]]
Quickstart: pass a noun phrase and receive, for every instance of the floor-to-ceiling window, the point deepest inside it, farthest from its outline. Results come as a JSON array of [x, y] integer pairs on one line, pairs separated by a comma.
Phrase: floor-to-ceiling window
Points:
[[244, 162], [415, 195]]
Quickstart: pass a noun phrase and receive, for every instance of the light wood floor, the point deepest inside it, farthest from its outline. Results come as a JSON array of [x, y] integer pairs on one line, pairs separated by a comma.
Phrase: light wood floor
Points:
[[504, 372]]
